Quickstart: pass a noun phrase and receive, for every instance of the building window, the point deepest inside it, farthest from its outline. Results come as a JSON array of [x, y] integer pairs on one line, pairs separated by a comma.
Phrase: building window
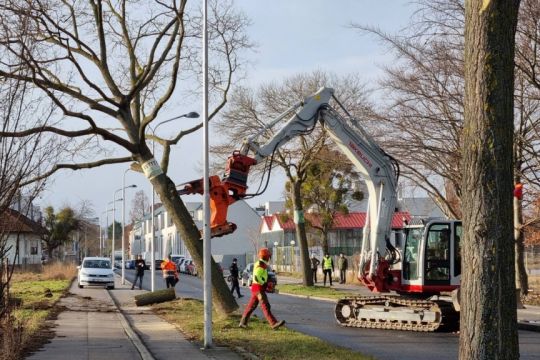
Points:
[[33, 250]]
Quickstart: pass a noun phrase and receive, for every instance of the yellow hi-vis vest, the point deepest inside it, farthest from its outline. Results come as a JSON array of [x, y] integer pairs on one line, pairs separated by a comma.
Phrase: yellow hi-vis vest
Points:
[[260, 274], [327, 263]]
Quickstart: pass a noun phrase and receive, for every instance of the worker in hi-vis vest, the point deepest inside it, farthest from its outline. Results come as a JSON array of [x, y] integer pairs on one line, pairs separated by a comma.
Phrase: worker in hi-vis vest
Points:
[[328, 268], [258, 292]]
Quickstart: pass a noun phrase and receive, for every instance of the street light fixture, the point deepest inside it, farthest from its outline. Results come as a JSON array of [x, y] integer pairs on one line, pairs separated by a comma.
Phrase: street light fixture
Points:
[[191, 114]]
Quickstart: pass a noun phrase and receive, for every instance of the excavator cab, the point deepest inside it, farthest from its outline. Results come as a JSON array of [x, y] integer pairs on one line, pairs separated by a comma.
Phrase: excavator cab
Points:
[[432, 257]]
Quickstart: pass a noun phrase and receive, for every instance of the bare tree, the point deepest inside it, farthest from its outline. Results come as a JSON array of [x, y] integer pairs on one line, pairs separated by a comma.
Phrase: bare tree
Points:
[[111, 68], [139, 206], [250, 111], [423, 116], [488, 311]]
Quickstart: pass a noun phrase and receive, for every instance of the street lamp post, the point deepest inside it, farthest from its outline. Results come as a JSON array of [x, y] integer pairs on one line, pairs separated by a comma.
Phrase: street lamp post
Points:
[[276, 255], [292, 255], [190, 115], [207, 249], [101, 236], [124, 187], [113, 225]]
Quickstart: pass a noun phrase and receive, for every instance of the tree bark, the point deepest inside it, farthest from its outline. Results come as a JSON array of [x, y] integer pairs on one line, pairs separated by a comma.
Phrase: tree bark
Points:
[[488, 312], [222, 298], [300, 229], [522, 280]]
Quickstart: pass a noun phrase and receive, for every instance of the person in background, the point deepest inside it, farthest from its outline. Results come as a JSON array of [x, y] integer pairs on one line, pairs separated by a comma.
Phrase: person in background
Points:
[[328, 268], [258, 292], [139, 271], [314, 266], [168, 267], [234, 278], [343, 264]]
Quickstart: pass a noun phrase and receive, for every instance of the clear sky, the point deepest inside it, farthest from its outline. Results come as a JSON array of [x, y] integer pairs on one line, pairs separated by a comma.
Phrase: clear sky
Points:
[[292, 37]]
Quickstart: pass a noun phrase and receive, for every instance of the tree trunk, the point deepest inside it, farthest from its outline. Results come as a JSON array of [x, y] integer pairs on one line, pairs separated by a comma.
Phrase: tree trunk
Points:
[[522, 280], [301, 235], [222, 298], [488, 311]]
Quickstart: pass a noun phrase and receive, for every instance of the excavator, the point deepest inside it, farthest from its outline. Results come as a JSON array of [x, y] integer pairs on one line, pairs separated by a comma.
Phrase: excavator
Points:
[[422, 267]]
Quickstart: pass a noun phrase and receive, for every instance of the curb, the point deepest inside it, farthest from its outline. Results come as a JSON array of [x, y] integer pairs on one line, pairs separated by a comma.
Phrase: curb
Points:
[[130, 332], [529, 326]]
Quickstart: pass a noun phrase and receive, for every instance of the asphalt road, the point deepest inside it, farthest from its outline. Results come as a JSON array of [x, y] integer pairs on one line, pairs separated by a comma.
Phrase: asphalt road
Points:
[[316, 318]]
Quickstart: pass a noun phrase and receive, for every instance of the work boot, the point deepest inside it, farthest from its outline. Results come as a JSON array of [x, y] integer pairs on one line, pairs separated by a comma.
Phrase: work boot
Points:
[[278, 325], [243, 323]]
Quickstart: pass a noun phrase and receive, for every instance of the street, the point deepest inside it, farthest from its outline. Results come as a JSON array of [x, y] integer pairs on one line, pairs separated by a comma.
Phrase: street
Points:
[[316, 318]]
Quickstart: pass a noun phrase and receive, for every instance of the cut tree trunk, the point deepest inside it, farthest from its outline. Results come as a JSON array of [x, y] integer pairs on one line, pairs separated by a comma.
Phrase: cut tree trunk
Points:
[[488, 301], [155, 297]]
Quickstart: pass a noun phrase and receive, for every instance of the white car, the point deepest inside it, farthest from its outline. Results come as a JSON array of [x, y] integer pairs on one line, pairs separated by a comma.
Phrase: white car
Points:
[[96, 271]]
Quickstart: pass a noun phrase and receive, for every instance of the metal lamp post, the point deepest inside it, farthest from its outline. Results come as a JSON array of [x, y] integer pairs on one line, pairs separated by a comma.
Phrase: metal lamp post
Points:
[[124, 187], [292, 255], [101, 236], [191, 115], [113, 225]]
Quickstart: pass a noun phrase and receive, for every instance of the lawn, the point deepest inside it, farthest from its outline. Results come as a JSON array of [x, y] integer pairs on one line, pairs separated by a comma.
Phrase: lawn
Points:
[[316, 291], [38, 293], [258, 338]]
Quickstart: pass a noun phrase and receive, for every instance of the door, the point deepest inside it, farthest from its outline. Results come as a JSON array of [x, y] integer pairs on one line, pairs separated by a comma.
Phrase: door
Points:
[[437, 255]]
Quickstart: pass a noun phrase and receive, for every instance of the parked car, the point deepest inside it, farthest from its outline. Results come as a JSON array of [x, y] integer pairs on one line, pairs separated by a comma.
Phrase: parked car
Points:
[[187, 267], [158, 264], [130, 264], [179, 264], [95, 271], [247, 277], [184, 266], [176, 258]]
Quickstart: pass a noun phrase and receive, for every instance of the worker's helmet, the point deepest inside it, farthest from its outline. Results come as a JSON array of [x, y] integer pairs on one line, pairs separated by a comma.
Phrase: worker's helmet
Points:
[[265, 254]]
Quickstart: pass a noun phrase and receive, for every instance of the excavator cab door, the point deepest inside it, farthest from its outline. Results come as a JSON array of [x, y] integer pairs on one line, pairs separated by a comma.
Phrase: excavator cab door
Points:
[[437, 254]]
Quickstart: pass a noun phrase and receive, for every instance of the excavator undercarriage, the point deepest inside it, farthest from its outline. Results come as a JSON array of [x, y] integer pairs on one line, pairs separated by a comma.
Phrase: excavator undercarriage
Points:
[[395, 313]]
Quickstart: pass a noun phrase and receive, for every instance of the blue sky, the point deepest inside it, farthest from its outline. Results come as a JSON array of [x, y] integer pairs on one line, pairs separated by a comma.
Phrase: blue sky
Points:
[[292, 37]]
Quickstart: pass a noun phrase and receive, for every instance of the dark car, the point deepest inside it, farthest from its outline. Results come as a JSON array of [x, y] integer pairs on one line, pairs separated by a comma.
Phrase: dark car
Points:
[[158, 264], [247, 277], [129, 264]]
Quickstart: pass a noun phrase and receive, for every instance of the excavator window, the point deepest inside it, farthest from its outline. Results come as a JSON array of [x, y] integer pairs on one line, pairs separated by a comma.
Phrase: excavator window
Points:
[[437, 264], [413, 241], [458, 230]]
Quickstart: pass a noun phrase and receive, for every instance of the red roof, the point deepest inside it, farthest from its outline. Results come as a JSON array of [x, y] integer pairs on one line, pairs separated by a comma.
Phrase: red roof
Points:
[[268, 221], [12, 221], [353, 220]]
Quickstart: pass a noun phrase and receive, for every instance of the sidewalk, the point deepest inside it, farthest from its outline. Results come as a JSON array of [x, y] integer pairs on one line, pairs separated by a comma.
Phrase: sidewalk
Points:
[[528, 317], [91, 327]]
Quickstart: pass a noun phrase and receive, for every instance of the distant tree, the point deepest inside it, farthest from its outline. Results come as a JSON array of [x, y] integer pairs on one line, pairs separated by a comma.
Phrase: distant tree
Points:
[[60, 226], [139, 206], [328, 189], [251, 110], [117, 232]]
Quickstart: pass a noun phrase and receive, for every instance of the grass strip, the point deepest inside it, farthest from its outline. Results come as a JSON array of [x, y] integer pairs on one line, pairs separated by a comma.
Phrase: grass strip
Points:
[[317, 291], [258, 338]]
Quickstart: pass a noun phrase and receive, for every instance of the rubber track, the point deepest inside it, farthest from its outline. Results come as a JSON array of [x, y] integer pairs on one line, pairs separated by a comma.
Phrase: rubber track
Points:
[[390, 301]]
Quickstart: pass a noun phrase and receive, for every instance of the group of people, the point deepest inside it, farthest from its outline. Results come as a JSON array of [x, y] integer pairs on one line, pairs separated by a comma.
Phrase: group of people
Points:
[[259, 281], [328, 268], [168, 269]]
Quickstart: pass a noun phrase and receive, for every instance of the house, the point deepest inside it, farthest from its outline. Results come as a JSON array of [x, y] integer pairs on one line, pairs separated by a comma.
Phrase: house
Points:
[[17, 229]]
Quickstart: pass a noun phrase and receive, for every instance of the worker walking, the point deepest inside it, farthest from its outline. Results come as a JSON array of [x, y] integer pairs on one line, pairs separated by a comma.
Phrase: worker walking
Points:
[[168, 267], [314, 267], [258, 292], [234, 278], [343, 264], [140, 265], [328, 268]]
